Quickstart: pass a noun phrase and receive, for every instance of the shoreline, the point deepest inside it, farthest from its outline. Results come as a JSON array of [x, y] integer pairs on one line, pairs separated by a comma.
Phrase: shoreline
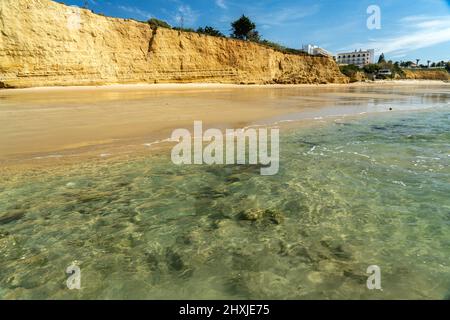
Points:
[[61, 125], [213, 85], [136, 150]]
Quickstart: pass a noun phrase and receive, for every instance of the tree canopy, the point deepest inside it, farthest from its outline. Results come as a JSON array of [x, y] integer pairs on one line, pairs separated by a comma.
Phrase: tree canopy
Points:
[[350, 70], [372, 68], [244, 29], [382, 59]]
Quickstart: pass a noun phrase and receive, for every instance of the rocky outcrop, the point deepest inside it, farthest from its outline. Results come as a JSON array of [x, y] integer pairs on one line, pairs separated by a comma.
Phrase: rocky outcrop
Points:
[[426, 74], [44, 43]]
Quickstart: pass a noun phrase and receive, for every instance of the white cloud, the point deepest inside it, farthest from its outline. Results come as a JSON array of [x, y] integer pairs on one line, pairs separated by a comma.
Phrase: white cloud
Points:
[[285, 15], [398, 56], [185, 15], [416, 32], [221, 3], [136, 12]]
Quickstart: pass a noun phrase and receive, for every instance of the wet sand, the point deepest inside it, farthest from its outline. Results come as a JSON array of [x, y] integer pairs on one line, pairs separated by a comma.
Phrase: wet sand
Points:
[[51, 124]]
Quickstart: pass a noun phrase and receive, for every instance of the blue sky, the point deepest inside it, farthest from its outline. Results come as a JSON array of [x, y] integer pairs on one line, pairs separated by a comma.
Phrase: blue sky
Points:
[[409, 29]]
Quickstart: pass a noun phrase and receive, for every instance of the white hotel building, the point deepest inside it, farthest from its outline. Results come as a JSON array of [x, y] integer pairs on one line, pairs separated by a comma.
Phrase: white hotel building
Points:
[[359, 58], [315, 50]]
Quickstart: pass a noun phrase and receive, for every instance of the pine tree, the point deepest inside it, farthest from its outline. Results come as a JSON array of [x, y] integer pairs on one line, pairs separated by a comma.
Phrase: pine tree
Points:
[[244, 29], [381, 59]]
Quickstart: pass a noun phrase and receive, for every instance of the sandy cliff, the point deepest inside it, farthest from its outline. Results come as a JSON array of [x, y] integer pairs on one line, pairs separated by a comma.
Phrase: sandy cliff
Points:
[[44, 43], [426, 74]]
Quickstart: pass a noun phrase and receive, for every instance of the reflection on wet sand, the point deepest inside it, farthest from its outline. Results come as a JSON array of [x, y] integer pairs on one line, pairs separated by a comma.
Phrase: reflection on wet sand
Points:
[[43, 123]]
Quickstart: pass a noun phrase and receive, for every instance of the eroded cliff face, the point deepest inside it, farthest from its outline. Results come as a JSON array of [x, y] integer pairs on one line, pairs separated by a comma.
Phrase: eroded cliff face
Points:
[[44, 43], [427, 75]]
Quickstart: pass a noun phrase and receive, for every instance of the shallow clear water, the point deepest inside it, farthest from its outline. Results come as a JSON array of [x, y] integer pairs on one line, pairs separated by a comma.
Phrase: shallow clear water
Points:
[[352, 193]]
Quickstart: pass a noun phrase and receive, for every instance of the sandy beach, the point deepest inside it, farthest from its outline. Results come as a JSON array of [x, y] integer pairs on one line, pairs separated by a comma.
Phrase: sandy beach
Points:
[[48, 124]]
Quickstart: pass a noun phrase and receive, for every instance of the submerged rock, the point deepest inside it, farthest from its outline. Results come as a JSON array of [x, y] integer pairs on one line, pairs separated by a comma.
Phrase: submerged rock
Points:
[[269, 215], [275, 216], [190, 238], [210, 193], [337, 249], [12, 216], [174, 260], [232, 179], [93, 197], [252, 215], [356, 275]]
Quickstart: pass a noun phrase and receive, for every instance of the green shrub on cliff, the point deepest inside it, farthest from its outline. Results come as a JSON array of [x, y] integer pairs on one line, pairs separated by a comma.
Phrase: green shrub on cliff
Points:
[[155, 23], [279, 47], [396, 70], [210, 31], [183, 29], [447, 66], [350, 70]]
